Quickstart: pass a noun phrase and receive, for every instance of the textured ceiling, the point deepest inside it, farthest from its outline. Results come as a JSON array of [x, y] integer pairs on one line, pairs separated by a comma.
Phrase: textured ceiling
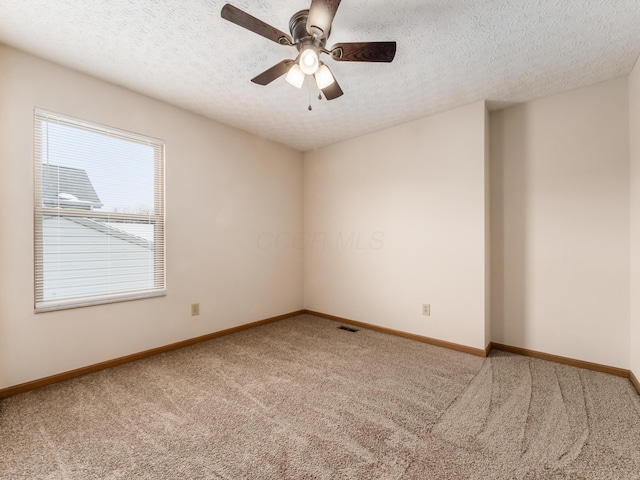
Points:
[[450, 53]]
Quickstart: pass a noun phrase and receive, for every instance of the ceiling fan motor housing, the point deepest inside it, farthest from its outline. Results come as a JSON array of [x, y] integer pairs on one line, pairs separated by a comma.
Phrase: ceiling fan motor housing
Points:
[[301, 37]]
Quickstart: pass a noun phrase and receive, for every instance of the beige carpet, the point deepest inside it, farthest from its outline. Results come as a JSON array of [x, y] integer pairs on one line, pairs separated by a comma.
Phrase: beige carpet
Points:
[[301, 399]]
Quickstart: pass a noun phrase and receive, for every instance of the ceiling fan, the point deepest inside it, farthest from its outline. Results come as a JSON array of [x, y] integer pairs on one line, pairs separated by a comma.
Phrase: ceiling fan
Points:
[[310, 30]]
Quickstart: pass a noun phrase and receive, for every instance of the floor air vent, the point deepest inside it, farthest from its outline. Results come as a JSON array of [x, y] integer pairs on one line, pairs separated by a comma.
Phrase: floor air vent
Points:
[[348, 329]]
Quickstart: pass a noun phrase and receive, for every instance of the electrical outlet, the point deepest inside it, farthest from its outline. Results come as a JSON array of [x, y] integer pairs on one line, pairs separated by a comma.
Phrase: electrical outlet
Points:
[[195, 309], [426, 309]]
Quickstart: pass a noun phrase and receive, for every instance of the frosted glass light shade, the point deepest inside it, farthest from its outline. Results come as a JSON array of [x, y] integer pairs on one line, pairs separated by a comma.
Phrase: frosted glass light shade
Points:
[[295, 76], [309, 60], [323, 76]]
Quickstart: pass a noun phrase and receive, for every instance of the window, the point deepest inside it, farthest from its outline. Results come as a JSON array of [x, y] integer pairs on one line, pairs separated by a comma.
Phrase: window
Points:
[[99, 214]]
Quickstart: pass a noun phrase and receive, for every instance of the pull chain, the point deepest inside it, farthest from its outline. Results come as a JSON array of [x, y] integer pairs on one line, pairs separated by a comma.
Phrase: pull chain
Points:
[[319, 98]]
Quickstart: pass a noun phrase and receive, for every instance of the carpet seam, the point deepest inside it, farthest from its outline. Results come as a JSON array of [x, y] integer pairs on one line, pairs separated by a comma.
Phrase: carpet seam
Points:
[[462, 392], [524, 448], [587, 410]]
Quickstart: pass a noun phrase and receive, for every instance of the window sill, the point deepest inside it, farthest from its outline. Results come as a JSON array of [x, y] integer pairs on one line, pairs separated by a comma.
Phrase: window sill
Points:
[[51, 306]]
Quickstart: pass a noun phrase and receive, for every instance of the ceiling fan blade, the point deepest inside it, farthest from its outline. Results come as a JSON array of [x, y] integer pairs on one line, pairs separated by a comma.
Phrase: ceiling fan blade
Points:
[[364, 52], [237, 16], [268, 76], [321, 13], [333, 90]]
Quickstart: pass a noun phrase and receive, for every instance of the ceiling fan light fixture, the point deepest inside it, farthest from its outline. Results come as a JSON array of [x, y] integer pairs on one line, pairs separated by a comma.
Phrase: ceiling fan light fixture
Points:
[[309, 61], [323, 77], [295, 76]]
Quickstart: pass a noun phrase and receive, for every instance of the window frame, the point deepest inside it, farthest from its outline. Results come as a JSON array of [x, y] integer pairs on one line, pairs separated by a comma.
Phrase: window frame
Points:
[[157, 218]]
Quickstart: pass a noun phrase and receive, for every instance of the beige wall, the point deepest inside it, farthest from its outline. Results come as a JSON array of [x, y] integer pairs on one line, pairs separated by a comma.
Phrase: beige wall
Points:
[[396, 219], [560, 228], [226, 190], [634, 136], [391, 220]]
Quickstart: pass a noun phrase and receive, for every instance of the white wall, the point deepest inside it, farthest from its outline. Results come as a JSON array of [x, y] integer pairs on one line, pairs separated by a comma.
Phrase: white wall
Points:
[[225, 189], [395, 219], [634, 137], [392, 220], [560, 228]]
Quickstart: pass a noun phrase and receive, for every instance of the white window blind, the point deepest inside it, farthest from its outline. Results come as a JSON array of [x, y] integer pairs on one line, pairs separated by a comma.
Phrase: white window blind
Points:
[[99, 214]]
